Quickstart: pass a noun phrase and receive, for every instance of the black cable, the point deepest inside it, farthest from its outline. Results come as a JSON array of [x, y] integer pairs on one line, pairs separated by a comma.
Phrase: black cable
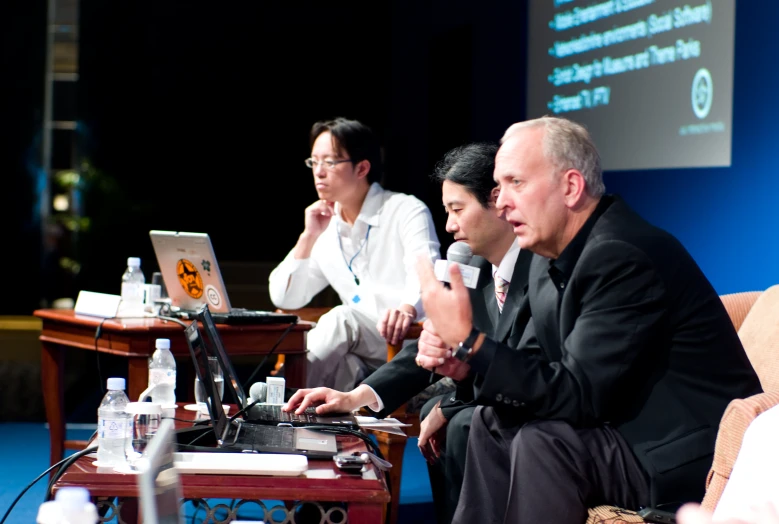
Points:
[[78, 454], [192, 442], [174, 319], [371, 445], [262, 363], [98, 332], [244, 410], [347, 431], [67, 463]]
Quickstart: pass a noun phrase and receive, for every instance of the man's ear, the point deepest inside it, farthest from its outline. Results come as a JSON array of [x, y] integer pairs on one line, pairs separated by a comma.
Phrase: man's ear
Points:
[[494, 196], [362, 168], [574, 187]]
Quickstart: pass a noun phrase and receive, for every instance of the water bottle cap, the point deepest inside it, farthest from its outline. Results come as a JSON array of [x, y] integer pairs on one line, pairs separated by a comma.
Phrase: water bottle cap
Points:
[[134, 262], [49, 512], [162, 343], [72, 497], [115, 383]]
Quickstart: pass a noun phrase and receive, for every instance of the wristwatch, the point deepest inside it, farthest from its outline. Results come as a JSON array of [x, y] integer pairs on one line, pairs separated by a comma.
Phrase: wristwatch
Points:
[[465, 348]]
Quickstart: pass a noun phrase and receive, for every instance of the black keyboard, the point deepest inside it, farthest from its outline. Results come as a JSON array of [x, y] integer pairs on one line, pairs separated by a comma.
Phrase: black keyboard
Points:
[[275, 414], [269, 436], [254, 316]]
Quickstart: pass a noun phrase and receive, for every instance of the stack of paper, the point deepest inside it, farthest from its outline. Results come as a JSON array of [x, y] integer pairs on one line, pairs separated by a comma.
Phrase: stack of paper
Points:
[[388, 425]]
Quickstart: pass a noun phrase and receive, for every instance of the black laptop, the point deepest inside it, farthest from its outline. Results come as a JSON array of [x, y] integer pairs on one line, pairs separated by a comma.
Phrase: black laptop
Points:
[[243, 436], [263, 413]]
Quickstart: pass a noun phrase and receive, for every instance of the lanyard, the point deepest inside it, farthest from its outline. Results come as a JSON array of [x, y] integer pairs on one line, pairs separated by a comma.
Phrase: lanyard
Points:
[[349, 263]]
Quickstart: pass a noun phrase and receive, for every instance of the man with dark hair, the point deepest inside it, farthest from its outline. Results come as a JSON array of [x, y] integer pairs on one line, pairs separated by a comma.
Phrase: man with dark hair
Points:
[[362, 240], [616, 390], [468, 193]]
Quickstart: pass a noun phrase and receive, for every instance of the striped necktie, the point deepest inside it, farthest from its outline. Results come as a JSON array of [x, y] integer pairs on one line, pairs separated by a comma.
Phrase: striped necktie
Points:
[[501, 287]]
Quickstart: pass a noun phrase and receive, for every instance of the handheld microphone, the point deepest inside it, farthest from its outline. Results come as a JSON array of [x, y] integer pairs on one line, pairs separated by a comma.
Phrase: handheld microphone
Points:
[[258, 392], [272, 391], [458, 253]]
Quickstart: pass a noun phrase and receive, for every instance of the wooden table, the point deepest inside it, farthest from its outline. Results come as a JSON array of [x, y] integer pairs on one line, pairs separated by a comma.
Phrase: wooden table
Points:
[[134, 340], [366, 495]]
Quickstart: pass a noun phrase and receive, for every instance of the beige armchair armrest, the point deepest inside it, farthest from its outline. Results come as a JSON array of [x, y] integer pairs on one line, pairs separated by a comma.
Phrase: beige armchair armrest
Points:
[[737, 417]]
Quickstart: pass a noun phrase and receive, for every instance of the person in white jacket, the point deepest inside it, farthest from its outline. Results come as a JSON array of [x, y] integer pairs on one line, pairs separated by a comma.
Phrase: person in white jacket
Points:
[[363, 241]]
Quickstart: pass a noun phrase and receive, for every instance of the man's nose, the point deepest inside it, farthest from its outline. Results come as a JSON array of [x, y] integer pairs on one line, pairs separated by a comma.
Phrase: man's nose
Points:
[[501, 202], [451, 225]]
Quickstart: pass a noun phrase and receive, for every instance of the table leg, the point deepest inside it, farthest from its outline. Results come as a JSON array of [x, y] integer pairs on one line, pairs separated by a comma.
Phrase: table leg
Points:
[[363, 513], [52, 376], [129, 510], [393, 447], [137, 376], [295, 370]]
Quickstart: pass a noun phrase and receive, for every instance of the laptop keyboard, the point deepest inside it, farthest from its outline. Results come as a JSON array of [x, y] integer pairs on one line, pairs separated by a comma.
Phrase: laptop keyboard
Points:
[[275, 414], [253, 316], [270, 436]]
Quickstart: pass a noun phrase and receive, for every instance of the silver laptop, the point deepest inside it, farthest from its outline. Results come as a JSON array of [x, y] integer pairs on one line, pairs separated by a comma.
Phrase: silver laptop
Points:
[[189, 269], [192, 278]]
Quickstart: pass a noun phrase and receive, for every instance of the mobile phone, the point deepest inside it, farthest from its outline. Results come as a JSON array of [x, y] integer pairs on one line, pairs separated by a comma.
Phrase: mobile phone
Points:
[[351, 463], [657, 515]]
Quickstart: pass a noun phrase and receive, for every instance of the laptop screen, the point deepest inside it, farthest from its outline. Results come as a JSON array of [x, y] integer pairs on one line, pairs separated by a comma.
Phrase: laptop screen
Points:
[[199, 351], [216, 348], [190, 270]]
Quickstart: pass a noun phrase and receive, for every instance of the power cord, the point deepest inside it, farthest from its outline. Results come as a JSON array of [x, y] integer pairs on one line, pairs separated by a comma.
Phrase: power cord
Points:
[[68, 460], [174, 319], [372, 446], [262, 362], [99, 333]]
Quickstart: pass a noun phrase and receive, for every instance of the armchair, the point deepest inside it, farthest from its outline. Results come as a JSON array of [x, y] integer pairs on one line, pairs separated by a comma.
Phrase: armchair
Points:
[[754, 315]]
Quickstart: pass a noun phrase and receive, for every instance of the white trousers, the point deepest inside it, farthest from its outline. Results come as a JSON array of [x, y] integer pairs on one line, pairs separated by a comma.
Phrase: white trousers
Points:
[[343, 348]]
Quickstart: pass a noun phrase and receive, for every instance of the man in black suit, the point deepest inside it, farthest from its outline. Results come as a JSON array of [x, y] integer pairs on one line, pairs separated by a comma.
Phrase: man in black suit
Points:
[[468, 194], [616, 390]]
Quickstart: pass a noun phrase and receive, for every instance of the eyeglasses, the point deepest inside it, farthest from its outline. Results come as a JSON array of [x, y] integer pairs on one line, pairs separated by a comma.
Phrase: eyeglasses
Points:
[[328, 163]]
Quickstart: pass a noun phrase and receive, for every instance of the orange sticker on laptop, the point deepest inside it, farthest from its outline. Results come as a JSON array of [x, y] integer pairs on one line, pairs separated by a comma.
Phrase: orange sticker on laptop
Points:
[[189, 278]]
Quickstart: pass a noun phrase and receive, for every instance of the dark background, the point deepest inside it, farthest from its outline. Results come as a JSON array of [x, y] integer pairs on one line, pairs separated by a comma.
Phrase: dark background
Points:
[[195, 117]]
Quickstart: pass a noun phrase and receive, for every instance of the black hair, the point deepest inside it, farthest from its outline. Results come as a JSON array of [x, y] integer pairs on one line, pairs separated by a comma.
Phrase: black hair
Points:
[[354, 139], [471, 166]]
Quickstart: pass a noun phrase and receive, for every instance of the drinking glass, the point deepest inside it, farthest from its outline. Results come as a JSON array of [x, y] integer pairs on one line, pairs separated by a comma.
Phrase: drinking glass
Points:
[[145, 418], [200, 390]]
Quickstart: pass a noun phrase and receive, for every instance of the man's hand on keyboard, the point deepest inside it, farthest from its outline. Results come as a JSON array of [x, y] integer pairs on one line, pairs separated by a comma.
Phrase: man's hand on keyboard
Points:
[[325, 400]]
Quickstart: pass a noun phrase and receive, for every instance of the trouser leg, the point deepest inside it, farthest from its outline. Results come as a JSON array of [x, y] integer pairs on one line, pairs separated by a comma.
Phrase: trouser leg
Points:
[[485, 490], [436, 469], [558, 472], [343, 348], [457, 434]]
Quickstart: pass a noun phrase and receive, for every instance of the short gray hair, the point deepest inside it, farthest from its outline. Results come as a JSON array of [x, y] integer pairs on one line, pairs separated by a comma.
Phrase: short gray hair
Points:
[[568, 145]]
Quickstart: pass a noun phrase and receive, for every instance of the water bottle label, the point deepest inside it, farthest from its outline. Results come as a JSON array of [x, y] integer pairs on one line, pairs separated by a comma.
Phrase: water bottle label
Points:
[[132, 291], [112, 428], [162, 376]]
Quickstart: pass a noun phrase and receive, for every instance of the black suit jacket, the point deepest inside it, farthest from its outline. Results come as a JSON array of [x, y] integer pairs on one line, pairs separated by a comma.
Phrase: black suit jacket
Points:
[[400, 379], [627, 331]]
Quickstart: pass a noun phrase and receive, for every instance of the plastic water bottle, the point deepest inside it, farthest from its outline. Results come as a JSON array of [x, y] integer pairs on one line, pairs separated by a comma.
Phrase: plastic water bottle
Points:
[[133, 283], [113, 425], [162, 374], [71, 505]]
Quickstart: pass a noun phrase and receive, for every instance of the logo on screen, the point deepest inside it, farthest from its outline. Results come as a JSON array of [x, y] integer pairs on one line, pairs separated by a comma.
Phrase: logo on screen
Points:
[[702, 93]]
